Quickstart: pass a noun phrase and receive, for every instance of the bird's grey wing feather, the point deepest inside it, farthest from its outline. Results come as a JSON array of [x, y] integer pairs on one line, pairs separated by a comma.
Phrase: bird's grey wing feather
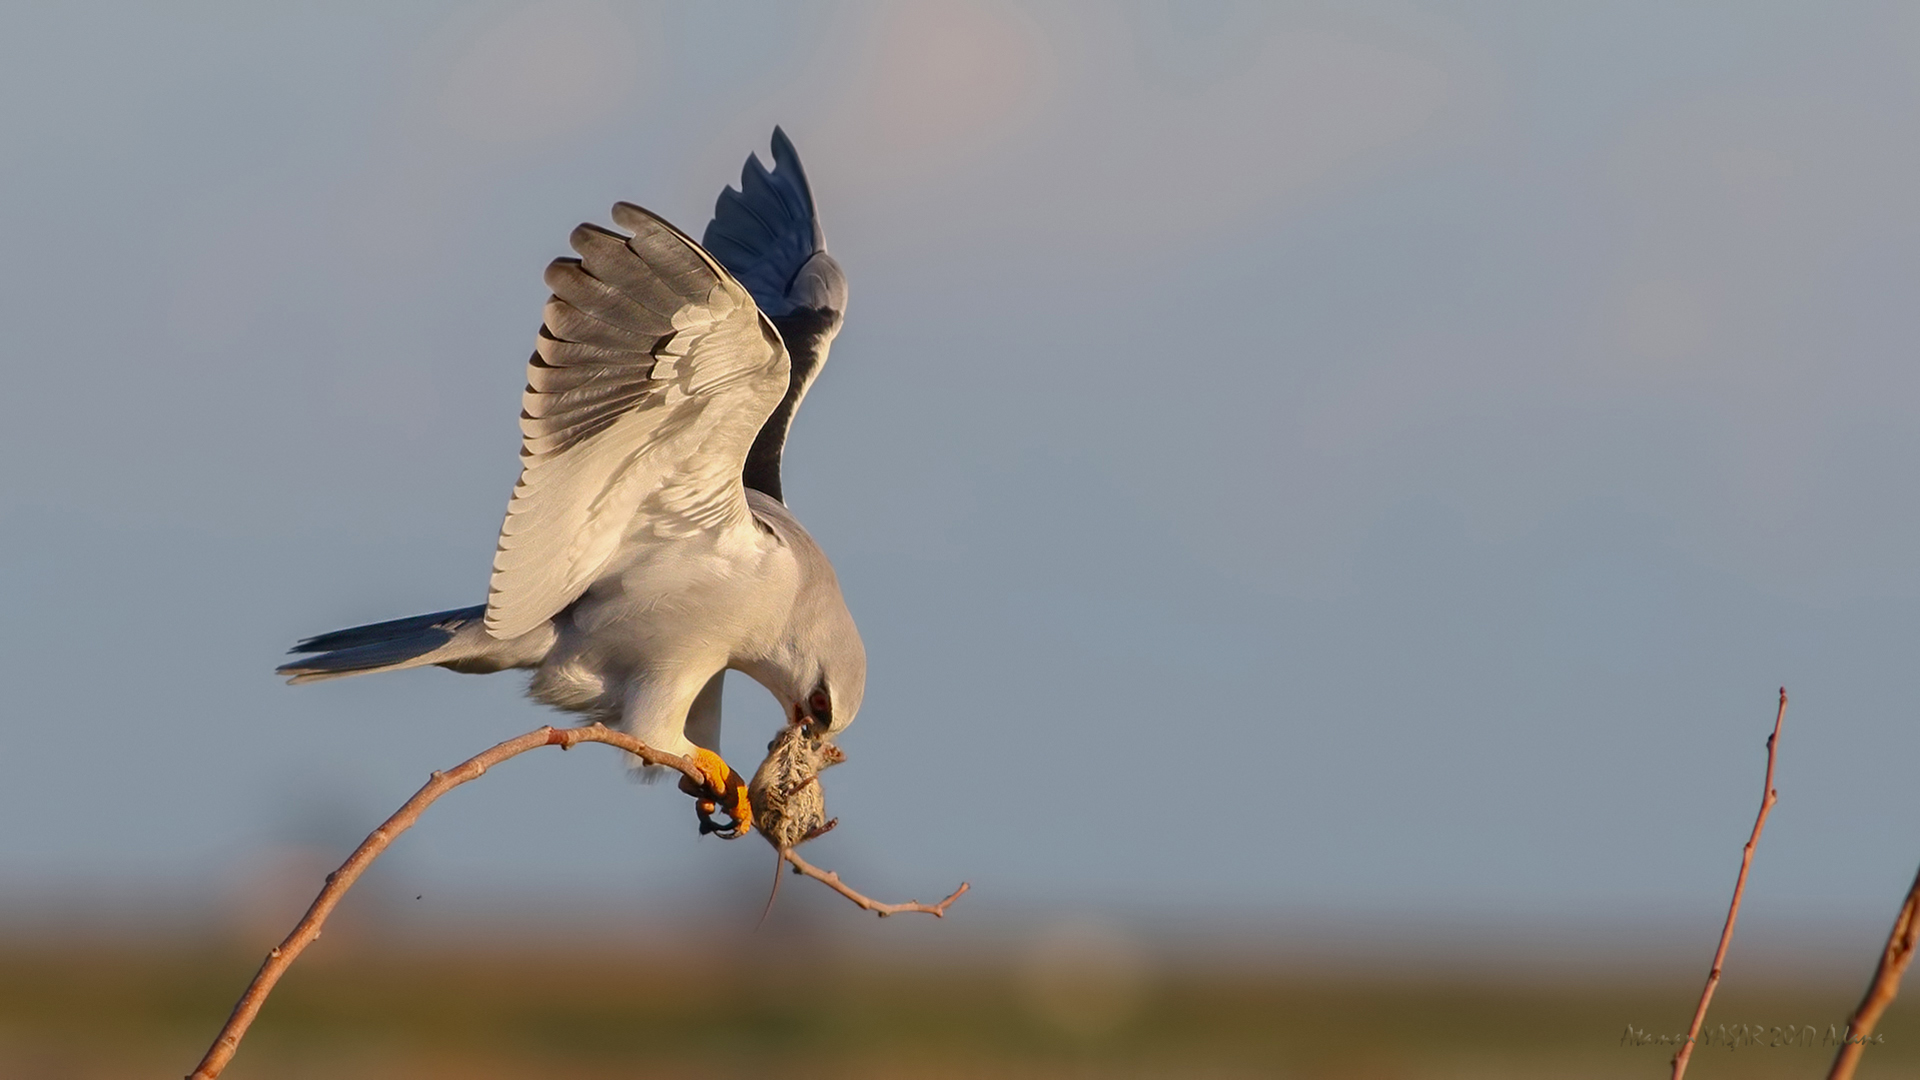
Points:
[[652, 374], [768, 235]]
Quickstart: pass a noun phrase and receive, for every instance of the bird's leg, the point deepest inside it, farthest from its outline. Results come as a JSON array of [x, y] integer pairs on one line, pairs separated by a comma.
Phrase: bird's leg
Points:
[[724, 790]]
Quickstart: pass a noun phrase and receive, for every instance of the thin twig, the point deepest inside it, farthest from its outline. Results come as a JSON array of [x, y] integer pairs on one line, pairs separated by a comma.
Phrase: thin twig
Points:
[[227, 1043], [1901, 944], [832, 881], [338, 882], [1733, 910]]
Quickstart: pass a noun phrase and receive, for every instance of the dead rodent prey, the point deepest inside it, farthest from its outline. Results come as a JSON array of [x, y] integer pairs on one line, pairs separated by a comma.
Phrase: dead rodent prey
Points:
[[788, 804]]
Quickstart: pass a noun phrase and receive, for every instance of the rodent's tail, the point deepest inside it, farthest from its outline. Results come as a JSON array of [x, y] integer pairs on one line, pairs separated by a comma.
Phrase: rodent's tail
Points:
[[779, 863]]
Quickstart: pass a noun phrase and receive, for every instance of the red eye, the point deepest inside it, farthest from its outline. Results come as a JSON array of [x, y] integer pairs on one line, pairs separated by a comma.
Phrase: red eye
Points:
[[821, 704]]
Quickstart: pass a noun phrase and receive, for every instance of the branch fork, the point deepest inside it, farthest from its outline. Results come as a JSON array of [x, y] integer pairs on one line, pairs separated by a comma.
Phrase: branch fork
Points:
[[307, 930]]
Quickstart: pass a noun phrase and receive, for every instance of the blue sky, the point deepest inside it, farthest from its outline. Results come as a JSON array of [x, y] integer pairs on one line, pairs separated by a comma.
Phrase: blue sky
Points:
[[1367, 458]]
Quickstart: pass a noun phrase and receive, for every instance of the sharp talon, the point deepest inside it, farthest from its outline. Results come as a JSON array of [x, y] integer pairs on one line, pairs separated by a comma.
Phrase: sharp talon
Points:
[[724, 791], [726, 831]]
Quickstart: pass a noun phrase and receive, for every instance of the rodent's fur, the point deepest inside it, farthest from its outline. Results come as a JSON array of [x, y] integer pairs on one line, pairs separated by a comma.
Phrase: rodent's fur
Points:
[[789, 807]]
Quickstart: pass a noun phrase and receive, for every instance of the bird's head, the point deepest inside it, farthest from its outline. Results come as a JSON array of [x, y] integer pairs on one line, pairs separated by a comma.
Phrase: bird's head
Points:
[[831, 698]]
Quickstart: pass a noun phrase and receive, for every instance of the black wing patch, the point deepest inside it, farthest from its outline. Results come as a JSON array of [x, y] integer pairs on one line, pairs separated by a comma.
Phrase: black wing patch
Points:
[[765, 232], [768, 236], [806, 332]]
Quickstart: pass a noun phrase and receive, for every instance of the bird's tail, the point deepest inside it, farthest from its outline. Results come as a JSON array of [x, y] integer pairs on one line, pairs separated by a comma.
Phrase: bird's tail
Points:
[[457, 639]]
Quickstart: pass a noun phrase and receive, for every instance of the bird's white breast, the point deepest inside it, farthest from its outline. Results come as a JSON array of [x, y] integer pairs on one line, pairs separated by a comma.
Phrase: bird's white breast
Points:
[[669, 614]]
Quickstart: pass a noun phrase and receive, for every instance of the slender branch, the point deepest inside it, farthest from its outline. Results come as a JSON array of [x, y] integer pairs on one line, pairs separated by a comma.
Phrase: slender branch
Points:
[[308, 929], [1901, 945], [832, 881], [227, 1043], [1767, 800]]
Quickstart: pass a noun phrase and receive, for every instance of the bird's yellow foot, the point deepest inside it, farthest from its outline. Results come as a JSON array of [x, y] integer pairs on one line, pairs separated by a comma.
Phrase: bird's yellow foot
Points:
[[723, 790]]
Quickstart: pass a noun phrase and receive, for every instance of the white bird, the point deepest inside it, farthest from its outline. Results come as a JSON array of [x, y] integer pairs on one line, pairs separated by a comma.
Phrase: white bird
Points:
[[646, 549]]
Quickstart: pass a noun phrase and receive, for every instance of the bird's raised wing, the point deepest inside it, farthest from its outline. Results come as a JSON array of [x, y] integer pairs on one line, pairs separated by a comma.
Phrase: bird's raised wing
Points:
[[653, 373], [767, 234]]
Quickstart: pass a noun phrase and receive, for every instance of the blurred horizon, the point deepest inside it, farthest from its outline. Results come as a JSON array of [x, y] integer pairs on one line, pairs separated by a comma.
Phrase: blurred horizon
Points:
[[1317, 476], [1080, 1000]]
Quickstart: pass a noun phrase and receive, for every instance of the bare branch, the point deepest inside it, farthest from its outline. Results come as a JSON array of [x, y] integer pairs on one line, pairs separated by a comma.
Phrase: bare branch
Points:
[[832, 881], [1901, 944], [1767, 800], [227, 1043]]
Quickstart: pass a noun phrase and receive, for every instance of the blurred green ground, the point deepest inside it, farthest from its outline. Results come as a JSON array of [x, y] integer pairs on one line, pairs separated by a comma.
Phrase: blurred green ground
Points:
[[93, 1010]]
